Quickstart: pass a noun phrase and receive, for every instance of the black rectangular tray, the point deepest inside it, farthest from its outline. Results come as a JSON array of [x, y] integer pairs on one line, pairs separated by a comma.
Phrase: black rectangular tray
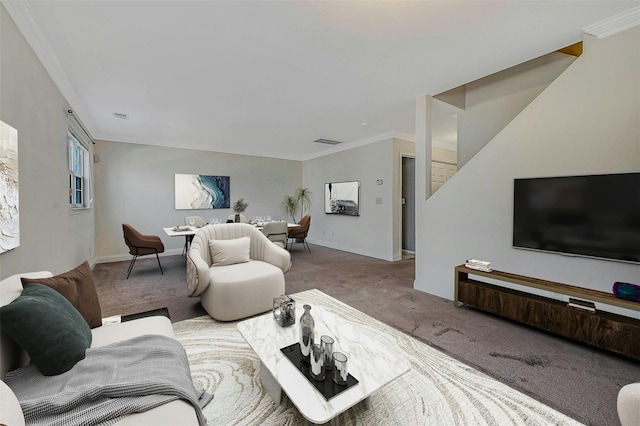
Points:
[[326, 387]]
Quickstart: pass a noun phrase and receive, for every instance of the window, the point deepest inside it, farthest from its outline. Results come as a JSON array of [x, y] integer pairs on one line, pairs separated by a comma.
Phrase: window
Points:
[[79, 174]]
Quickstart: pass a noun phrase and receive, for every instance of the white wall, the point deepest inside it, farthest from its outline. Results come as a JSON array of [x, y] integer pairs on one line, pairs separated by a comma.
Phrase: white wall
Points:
[[492, 102], [585, 122], [51, 236], [373, 233], [135, 184]]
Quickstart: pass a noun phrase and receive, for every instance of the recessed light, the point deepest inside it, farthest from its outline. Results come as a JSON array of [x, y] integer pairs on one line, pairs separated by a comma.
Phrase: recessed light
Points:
[[364, 124]]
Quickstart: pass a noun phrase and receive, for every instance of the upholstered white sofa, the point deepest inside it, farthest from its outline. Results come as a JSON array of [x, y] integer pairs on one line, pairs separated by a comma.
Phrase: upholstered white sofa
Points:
[[12, 356], [629, 404], [235, 270]]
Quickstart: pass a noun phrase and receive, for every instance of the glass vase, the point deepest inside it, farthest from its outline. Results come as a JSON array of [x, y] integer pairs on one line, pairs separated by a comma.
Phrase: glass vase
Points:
[[307, 324]]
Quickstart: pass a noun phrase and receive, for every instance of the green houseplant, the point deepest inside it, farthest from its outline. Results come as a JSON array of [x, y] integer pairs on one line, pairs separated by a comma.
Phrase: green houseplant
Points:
[[239, 206], [290, 206], [303, 197], [298, 202]]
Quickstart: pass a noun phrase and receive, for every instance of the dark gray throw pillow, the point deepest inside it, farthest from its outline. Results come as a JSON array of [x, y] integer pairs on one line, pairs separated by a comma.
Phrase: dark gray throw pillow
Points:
[[48, 327]]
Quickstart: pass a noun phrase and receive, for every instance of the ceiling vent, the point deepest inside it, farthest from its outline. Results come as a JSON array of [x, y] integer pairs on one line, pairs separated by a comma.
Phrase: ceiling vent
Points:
[[120, 115], [327, 141]]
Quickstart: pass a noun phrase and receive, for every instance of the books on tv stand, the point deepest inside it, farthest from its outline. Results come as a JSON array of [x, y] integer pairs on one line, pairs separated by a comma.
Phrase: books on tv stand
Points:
[[581, 304]]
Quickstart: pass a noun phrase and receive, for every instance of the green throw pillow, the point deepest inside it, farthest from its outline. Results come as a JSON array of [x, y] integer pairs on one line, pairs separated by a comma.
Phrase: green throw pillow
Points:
[[48, 327]]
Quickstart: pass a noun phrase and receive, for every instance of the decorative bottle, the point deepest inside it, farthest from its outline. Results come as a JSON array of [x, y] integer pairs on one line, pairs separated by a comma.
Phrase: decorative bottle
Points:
[[307, 324]]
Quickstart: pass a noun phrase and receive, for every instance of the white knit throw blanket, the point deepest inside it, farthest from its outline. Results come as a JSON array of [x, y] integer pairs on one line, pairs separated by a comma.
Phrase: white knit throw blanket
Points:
[[112, 381]]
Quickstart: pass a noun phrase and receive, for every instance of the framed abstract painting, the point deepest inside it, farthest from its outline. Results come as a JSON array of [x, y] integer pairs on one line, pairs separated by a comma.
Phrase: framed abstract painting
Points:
[[9, 206], [196, 192]]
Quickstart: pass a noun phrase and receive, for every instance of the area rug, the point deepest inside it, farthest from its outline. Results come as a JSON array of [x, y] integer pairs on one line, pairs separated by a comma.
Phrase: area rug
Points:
[[438, 390]]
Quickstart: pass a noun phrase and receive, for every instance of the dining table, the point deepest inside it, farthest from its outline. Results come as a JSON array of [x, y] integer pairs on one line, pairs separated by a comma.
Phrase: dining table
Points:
[[188, 232], [260, 225], [182, 231]]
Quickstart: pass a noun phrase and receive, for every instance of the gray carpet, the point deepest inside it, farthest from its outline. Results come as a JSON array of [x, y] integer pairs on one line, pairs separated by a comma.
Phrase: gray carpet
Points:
[[576, 380]]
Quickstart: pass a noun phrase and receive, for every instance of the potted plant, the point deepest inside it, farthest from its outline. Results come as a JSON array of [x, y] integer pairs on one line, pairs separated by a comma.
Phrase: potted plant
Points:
[[290, 206], [300, 201], [303, 197], [238, 207]]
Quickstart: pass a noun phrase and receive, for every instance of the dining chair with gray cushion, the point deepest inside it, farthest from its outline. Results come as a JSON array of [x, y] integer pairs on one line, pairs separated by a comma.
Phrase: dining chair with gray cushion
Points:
[[197, 221], [235, 270], [276, 232]]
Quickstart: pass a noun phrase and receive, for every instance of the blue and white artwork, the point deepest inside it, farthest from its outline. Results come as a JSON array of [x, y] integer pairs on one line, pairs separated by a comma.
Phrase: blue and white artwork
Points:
[[9, 212], [195, 192]]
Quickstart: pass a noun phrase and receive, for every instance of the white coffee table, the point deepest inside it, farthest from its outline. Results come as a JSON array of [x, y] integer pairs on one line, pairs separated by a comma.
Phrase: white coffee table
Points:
[[371, 358]]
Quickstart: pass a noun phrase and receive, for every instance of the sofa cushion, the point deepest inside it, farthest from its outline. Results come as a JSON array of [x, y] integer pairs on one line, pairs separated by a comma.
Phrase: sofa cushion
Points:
[[11, 413], [47, 326], [108, 334], [242, 290], [230, 252], [79, 287]]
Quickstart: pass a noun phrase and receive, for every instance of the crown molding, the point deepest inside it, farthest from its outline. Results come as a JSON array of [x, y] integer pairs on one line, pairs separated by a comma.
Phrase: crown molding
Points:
[[23, 17], [614, 24]]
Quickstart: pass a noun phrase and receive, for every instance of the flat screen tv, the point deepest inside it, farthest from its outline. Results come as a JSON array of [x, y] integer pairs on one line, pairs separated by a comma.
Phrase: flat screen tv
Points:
[[595, 216]]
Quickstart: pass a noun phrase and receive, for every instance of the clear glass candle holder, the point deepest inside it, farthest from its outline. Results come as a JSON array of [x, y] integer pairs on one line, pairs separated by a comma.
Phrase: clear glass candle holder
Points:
[[317, 362], [327, 344], [340, 372]]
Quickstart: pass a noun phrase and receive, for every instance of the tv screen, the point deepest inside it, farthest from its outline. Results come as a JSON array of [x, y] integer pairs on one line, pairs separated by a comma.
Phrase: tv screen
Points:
[[595, 216]]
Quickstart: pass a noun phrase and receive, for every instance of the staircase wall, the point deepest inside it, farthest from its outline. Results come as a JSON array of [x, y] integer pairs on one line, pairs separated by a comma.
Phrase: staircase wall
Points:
[[585, 122]]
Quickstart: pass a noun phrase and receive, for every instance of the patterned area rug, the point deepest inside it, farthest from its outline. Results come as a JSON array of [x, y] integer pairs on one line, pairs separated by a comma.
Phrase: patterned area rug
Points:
[[438, 390]]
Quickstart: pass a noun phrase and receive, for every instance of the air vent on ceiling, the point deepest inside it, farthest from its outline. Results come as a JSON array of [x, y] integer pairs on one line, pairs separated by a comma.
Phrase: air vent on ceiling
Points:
[[120, 115], [327, 141]]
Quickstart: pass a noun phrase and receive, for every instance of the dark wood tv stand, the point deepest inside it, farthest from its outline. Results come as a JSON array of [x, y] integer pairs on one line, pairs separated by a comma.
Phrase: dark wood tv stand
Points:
[[605, 330]]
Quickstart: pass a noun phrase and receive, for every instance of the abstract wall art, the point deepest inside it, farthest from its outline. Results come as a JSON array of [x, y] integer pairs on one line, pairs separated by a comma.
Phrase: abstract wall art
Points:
[[342, 198], [194, 192], [9, 212]]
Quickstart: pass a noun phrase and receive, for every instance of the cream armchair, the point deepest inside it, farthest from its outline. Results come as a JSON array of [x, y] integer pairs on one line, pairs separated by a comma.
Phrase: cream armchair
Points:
[[242, 277], [629, 404]]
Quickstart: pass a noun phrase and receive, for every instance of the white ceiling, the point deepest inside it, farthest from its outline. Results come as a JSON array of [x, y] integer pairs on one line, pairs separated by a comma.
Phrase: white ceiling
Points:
[[267, 78]]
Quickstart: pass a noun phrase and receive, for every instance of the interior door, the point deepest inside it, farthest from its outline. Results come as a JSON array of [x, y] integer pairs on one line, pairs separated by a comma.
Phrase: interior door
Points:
[[408, 204]]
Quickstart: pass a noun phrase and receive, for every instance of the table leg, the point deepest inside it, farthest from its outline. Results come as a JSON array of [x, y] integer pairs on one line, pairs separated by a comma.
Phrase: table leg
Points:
[[367, 403], [270, 384], [187, 243]]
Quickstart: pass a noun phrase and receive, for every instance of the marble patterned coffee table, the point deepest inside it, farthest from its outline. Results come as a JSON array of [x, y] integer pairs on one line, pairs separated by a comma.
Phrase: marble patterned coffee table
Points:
[[372, 359]]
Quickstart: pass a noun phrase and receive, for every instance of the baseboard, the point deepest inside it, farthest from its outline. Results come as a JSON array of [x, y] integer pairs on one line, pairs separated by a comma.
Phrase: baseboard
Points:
[[176, 252], [126, 256], [348, 249]]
